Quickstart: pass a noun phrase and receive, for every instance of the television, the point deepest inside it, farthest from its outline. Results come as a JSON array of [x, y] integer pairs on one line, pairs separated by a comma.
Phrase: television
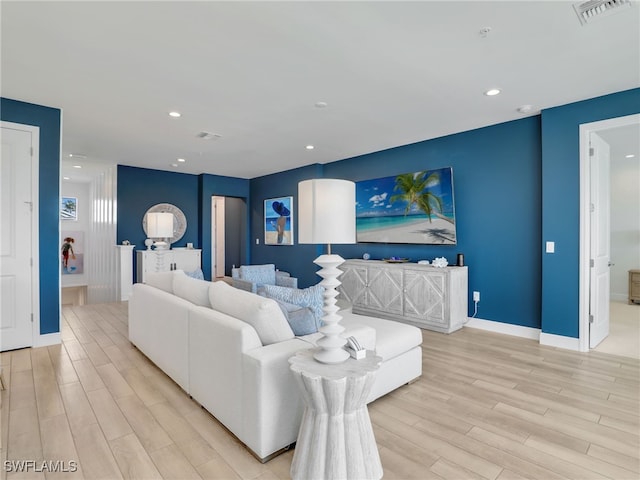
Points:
[[416, 208]]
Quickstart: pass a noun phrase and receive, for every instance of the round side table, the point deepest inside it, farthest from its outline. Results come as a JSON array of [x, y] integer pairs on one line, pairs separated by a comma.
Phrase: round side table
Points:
[[336, 438]]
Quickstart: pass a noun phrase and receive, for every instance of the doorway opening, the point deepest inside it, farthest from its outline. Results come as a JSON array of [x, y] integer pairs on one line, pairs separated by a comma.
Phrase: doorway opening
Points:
[[228, 234], [613, 236]]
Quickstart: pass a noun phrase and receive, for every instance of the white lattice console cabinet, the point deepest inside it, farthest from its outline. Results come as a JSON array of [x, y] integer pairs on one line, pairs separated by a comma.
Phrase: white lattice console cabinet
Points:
[[422, 295]]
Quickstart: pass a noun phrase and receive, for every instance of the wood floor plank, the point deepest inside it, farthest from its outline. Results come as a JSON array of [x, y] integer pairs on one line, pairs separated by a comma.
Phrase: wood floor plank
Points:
[[114, 381], [605, 469], [132, 458], [225, 444], [62, 365], [76, 404], [96, 459], [96, 354], [112, 421], [58, 446], [88, 375], [149, 432], [395, 465], [616, 458], [171, 463]]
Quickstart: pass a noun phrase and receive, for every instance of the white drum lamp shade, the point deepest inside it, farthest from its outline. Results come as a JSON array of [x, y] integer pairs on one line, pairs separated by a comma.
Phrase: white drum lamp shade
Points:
[[160, 224], [327, 214], [326, 211]]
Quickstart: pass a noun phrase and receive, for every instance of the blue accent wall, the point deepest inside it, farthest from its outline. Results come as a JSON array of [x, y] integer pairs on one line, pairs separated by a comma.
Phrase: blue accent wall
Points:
[[561, 203], [48, 120], [141, 188], [497, 183]]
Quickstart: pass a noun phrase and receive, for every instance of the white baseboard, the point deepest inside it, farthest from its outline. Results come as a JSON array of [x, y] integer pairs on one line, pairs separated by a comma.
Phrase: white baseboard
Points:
[[560, 341], [47, 339], [619, 297], [547, 339], [505, 328]]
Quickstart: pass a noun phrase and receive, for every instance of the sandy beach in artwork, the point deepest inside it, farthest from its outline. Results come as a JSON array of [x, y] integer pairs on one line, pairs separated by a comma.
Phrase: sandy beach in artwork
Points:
[[420, 231], [271, 238]]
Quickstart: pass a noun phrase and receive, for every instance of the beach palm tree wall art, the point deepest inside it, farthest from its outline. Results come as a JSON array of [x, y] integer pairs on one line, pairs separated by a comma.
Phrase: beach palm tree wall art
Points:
[[416, 207]]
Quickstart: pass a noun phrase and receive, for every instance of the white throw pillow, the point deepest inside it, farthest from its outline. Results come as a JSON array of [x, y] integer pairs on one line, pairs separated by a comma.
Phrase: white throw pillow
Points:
[[161, 280], [263, 314], [195, 291]]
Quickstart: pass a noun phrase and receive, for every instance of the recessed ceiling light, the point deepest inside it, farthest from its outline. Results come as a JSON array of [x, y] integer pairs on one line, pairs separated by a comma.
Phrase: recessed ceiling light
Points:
[[631, 155], [66, 178], [181, 160], [77, 166], [525, 108], [174, 165], [77, 155], [309, 147], [175, 114], [321, 104], [492, 92]]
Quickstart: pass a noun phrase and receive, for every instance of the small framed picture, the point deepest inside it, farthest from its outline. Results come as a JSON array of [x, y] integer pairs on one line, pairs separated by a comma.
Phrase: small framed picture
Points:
[[278, 221], [68, 208]]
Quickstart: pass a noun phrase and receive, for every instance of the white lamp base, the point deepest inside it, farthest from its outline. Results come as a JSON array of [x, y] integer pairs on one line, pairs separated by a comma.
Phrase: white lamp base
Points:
[[331, 343]]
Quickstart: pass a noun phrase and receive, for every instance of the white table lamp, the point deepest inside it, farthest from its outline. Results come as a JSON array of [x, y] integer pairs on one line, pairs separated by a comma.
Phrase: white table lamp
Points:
[[327, 214], [160, 226]]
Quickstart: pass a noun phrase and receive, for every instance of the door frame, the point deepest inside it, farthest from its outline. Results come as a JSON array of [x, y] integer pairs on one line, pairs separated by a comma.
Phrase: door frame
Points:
[[35, 230], [585, 218]]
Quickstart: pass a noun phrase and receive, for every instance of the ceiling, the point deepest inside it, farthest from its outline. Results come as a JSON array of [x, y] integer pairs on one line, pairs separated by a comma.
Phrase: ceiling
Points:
[[390, 73]]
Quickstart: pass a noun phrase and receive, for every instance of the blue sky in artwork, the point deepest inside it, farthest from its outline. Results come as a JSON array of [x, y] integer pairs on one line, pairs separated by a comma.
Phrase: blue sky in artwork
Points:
[[373, 196]]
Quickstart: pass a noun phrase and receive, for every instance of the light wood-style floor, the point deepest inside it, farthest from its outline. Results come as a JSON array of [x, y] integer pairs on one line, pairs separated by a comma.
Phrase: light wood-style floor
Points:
[[488, 406]]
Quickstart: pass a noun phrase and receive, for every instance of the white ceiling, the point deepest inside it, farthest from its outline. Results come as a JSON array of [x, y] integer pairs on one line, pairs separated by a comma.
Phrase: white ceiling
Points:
[[391, 73]]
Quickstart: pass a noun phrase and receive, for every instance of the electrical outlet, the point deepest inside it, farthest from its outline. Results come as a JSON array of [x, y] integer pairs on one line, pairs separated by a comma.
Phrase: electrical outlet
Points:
[[476, 296]]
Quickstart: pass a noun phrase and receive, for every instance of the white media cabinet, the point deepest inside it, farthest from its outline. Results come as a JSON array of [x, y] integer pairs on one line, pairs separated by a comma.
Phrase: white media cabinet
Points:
[[421, 295], [187, 259]]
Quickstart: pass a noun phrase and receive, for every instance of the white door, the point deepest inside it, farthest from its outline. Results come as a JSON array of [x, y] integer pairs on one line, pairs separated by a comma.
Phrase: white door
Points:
[[600, 241], [217, 237], [16, 197]]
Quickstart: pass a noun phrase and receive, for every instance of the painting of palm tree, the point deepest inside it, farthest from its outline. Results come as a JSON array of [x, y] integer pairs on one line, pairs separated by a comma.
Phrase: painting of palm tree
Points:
[[415, 207], [68, 208]]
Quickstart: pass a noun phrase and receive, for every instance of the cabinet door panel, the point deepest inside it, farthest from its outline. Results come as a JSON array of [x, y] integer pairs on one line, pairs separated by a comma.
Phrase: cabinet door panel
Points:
[[354, 282], [384, 290], [425, 296]]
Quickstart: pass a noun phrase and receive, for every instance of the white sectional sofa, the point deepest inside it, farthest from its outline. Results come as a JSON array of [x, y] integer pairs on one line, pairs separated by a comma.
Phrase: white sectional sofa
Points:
[[233, 359]]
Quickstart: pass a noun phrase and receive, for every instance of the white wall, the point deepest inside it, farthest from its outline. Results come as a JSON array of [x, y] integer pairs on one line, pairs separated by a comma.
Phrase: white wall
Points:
[[82, 245], [625, 223]]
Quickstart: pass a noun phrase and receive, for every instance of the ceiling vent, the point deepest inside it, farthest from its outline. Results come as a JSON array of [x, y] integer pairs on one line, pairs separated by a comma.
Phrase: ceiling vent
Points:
[[596, 9], [208, 136]]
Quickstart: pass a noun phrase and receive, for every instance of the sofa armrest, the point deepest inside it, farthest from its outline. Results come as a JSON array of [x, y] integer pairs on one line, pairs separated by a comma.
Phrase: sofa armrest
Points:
[[243, 285], [216, 343], [283, 281], [158, 327], [273, 403]]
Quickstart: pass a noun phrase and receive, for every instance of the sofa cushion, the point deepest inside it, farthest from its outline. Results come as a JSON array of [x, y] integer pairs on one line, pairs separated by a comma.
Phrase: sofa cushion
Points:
[[197, 274], [195, 291], [263, 314], [392, 338], [161, 280], [301, 319], [305, 297]]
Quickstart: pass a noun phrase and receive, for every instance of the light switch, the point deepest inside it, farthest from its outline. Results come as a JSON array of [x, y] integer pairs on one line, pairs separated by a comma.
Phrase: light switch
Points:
[[257, 241], [551, 247]]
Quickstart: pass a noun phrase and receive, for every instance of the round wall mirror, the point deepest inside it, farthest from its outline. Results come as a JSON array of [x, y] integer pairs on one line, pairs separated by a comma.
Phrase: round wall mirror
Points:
[[179, 220]]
